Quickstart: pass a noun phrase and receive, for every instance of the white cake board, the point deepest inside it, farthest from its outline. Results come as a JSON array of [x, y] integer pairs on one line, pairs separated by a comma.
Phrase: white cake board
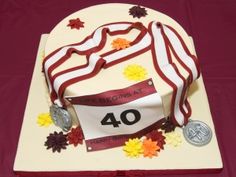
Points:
[[32, 158]]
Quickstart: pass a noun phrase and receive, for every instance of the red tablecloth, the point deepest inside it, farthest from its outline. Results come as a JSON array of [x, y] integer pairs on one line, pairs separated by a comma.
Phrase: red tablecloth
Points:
[[212, 24]]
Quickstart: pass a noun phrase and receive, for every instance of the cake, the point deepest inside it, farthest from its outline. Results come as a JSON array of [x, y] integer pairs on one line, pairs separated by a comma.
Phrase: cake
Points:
[[119, 91], [144, 72]]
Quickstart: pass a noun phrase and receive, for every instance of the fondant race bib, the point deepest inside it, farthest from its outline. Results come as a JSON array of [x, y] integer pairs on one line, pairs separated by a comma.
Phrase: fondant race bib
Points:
[[108, 119]]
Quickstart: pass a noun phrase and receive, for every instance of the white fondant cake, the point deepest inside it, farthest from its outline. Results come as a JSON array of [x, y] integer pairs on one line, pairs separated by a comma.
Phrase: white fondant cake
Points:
[[83, 72], [119, 78]]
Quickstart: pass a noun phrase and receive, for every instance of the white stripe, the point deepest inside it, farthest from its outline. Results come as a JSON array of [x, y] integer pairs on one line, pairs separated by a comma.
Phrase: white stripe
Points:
[[185, 108], [97, 37], [77, 73], [118, 27], [168, 70], [85, 46], [146, 41], [174, 40]]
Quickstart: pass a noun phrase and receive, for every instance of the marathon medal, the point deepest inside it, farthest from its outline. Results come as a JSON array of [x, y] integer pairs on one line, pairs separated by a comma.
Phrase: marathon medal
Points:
[[197, 133], [61, 117]]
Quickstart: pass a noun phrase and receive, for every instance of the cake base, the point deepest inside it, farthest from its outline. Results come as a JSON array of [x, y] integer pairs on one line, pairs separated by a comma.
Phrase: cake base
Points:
[[32, 158]]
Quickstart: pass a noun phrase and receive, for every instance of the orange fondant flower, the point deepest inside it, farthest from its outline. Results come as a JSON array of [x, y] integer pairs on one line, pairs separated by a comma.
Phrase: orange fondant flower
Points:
[[150, 148], [120, 43]]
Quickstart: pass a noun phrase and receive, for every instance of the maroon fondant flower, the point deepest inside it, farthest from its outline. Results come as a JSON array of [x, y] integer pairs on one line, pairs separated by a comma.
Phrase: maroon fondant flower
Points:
[[56, 141], [168, 126], [157, 136], [75, 136], [137, 11], [75, 24]]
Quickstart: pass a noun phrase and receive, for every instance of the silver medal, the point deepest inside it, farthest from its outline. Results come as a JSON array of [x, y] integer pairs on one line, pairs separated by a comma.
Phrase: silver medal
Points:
[[61, 117], [197, 133]]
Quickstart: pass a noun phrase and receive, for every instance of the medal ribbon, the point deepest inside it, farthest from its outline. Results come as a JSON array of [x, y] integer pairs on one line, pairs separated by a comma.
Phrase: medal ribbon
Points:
[[95, 42], [166, 38]]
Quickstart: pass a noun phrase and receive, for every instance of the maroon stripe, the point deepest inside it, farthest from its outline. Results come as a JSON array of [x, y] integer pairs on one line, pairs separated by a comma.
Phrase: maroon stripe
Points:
[[116, 97], [189, 111]]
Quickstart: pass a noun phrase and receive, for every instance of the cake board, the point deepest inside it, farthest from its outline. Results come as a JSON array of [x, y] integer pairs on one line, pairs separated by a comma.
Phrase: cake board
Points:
[[33, 159]]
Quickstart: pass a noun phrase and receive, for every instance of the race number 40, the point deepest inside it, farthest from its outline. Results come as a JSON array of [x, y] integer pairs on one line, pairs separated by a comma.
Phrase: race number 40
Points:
[[110, 118]]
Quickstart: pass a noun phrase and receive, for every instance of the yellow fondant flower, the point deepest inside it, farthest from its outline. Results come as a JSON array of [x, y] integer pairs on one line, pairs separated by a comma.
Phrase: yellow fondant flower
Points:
[[173, 138], [135, 72], [150, 148], [120, 43], [133, 147], [44, 120]]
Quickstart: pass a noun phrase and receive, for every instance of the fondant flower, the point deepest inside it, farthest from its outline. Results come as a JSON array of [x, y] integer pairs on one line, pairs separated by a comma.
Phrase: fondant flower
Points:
[[75, 24], [133, 147], [137, 11], [157, 136], [135, 72], [150, 148], [56, 141], [168, 126], [120, 43], [173, 139], [44, 119], [75, 136]]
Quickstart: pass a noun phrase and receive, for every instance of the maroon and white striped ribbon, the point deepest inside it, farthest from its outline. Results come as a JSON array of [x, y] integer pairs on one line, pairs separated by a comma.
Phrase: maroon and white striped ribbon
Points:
[[165, 39], [91, 43], [58, 83]]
